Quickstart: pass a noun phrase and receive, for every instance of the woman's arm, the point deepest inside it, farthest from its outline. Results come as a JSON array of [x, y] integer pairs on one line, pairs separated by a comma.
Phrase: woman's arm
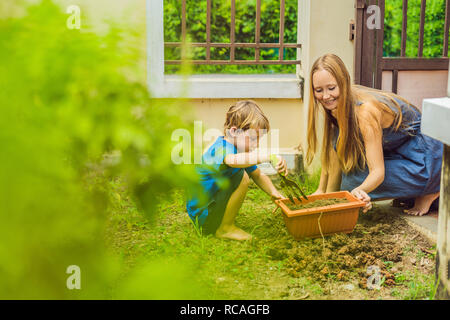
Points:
[[334, 172], [372, 134], [323, 182], [330, 177]]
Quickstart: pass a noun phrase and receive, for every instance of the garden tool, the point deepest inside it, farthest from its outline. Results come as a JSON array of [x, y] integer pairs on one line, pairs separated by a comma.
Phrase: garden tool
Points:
[[288, 186]]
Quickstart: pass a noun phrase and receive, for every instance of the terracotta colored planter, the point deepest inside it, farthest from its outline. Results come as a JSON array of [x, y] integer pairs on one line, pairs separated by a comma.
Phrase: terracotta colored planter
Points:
[[336, 218]]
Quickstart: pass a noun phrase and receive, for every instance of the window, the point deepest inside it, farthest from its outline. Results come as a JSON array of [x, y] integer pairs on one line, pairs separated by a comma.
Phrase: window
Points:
[[229, 64]]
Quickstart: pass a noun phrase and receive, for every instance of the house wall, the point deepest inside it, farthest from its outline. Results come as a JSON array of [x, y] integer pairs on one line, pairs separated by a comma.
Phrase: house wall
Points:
[[415, 86], [324, 30]]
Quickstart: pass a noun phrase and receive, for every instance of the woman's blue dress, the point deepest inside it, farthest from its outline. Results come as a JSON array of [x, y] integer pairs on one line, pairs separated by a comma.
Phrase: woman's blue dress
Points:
[[412, 160]]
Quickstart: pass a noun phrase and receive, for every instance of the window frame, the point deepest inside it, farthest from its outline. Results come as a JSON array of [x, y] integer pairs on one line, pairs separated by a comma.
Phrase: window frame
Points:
[[289, 86]]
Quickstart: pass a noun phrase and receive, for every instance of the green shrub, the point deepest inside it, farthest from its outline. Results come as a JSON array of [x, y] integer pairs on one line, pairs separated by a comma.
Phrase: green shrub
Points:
[[246, 25], [433, 31], [65, 103], [220, 32]]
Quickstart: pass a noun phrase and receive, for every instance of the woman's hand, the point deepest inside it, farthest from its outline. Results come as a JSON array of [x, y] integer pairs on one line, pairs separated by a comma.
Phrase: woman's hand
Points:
[[362, 195]]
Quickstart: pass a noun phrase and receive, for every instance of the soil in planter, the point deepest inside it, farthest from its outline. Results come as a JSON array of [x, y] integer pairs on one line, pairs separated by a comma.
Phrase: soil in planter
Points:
[[316, 204]]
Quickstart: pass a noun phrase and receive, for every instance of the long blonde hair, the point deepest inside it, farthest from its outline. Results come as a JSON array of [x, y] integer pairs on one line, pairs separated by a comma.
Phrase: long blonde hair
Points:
[[350, 145]]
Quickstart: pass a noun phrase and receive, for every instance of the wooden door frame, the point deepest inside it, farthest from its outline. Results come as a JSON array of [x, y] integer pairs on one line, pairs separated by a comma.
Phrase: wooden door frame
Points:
[[369, 60]]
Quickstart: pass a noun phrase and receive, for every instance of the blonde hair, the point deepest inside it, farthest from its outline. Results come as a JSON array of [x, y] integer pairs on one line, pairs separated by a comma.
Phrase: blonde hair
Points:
[[244, 115], [350, 145]]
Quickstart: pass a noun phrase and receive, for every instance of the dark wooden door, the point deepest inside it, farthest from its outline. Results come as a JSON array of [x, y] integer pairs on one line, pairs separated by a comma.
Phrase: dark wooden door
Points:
[[371, 66]]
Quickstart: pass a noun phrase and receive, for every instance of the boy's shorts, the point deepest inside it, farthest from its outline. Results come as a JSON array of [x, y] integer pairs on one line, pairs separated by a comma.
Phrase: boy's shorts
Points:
[[216, 209]]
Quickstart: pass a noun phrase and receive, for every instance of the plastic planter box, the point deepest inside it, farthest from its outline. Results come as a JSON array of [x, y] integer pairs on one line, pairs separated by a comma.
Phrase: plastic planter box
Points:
[[336, 218]]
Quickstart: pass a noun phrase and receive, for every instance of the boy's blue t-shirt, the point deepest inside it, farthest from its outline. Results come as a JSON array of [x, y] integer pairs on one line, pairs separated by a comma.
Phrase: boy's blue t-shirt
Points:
[[213, 175]]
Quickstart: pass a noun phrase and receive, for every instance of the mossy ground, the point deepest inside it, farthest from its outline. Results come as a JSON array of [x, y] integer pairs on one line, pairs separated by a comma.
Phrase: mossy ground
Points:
[[274, 265]]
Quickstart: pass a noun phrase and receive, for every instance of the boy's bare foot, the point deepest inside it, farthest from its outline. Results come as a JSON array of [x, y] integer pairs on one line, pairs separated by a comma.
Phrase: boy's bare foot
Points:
[[233, 233], [422, 205]]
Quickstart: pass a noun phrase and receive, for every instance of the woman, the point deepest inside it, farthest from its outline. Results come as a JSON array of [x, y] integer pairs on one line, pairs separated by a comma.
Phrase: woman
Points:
[[372, 144]]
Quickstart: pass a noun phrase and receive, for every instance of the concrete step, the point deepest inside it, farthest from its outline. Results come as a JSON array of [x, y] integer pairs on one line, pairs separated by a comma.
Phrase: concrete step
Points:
[[427, 225]]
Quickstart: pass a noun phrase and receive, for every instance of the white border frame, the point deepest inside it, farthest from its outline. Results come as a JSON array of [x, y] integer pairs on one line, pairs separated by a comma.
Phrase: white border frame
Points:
[[213, 86]]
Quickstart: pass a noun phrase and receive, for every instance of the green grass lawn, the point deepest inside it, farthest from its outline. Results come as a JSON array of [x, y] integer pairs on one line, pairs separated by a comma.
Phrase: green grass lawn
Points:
[[264, 268]]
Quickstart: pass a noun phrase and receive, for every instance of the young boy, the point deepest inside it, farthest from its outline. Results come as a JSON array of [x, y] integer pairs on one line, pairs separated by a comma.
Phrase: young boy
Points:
[[225, 172]]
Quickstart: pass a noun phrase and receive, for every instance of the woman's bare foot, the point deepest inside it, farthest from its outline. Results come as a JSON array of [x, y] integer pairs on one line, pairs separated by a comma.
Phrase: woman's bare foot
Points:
[[422, 205], [233, 233]]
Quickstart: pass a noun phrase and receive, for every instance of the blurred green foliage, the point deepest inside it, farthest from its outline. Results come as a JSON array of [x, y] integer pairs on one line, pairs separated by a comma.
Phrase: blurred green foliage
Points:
[[220, 33], [433, 31], [70, 122]]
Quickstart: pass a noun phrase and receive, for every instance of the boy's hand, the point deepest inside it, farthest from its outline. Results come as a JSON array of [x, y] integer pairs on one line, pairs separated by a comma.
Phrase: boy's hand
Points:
[[279, 164], [362, 195], [276, 195], [317, 192]]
